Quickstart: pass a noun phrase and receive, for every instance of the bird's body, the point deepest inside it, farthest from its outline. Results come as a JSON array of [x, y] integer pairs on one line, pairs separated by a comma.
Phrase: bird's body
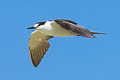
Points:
[[53, 29], [38, 43]]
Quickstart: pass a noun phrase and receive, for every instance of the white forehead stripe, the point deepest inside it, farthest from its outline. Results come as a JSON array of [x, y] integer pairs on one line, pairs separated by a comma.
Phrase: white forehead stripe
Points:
[[36, 25]]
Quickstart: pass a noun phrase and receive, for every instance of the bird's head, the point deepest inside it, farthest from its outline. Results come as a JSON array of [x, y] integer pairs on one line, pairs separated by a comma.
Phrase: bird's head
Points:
[[36, 25]]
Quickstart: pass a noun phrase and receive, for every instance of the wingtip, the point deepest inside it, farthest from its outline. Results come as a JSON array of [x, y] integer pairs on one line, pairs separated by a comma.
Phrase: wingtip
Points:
[[35, 65]]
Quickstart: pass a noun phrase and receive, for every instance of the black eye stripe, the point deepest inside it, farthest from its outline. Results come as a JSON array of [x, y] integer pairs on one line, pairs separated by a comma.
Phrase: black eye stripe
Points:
[[40, 23]]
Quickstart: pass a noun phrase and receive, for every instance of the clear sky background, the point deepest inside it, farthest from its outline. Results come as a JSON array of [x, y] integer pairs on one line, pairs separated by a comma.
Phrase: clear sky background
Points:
[[68, 58]]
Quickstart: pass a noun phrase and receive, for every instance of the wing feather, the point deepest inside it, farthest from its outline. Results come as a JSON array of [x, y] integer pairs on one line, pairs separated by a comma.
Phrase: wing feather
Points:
[[81, 31], [38, 45], [65, 20]]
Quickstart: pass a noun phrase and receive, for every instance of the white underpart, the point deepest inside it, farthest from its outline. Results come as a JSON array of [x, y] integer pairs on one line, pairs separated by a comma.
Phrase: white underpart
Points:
[[53, 29]]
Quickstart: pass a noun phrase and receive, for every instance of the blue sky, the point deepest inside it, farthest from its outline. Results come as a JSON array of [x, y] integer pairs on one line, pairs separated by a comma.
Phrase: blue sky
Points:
[[68, 58]]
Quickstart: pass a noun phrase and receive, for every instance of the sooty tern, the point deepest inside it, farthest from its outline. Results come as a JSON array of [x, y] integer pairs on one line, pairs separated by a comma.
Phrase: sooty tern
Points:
[[38, 43]]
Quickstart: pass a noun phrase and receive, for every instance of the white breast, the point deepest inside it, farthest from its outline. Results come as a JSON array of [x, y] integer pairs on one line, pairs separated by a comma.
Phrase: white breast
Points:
[[54, 29]]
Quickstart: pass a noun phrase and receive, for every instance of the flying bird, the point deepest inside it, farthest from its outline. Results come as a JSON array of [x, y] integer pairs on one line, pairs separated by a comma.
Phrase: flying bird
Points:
[[38, 42]]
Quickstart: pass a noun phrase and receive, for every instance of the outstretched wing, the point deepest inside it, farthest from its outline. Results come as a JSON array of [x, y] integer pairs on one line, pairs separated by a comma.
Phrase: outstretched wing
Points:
[[38, 45], [81, 31]]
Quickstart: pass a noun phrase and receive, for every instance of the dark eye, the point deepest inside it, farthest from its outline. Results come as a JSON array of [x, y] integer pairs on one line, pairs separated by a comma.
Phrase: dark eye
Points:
[[40, 23]]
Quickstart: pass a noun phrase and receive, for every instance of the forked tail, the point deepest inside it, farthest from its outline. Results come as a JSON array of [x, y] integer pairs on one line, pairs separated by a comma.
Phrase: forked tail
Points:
[[97, 33], [92, 33]]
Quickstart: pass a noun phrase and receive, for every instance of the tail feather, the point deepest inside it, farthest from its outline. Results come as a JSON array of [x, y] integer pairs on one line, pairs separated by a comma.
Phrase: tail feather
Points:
[[96, 33], [92, 34]]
